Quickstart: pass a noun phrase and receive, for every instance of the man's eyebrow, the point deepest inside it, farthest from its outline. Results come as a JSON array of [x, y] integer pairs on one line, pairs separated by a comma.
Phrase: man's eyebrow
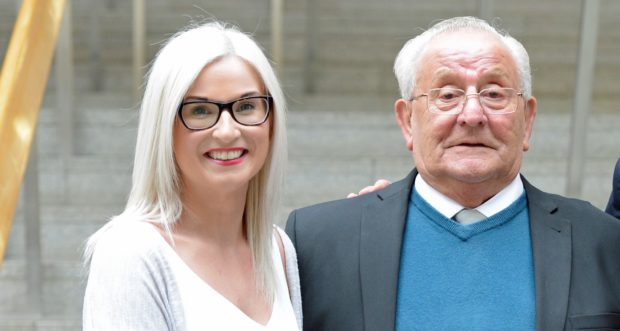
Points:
[[446, 74], [442, 74], [497, 72]]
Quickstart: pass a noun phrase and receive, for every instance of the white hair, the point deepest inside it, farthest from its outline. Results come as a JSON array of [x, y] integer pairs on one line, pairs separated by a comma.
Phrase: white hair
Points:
[[155, 191], [406, 64]]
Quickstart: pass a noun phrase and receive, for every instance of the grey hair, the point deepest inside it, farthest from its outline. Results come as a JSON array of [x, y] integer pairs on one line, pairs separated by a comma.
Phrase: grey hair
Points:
[[405, 66], [155, 192]]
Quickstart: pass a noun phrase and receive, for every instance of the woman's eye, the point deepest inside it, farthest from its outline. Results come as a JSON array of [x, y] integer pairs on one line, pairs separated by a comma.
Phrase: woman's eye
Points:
[[200, 110], [247, 106]]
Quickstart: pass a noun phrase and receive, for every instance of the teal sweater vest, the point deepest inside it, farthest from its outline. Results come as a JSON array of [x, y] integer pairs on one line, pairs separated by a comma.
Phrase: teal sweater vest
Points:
[[466, 277]]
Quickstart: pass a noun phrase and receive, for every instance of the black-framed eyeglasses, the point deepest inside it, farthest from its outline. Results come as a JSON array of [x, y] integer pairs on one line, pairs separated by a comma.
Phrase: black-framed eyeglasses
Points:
[[450, 101], [202, 114]]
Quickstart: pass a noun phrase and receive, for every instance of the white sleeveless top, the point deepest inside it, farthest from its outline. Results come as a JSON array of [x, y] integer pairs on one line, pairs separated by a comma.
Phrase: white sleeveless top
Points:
[[207, 309]]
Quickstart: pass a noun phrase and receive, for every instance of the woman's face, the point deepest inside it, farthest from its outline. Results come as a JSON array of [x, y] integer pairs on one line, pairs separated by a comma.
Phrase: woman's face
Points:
[[227, 155]]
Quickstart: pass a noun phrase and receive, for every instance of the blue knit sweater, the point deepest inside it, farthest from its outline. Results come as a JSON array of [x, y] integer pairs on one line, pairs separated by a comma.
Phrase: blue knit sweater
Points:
[[466, 277]]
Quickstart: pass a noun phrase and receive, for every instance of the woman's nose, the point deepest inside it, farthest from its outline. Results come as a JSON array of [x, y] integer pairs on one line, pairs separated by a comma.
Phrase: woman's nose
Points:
[[226, 128]]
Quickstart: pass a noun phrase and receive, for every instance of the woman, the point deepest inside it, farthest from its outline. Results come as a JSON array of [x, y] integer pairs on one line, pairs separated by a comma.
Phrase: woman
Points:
[[195, 247]]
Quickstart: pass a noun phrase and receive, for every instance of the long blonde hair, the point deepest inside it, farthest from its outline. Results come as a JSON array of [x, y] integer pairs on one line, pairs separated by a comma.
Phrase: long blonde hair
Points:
[[155, 191]]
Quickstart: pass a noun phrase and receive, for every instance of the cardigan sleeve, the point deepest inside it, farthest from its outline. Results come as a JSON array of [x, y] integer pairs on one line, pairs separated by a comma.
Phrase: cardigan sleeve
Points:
[[292, 276], [130, 285]]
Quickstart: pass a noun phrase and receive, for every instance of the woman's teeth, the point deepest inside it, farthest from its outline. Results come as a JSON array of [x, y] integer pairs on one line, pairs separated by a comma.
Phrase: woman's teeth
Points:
[[225, 155]]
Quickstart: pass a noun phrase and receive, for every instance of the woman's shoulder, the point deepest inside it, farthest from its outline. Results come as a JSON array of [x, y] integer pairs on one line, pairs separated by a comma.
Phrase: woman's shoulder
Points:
[[127, 242], [130, 284]]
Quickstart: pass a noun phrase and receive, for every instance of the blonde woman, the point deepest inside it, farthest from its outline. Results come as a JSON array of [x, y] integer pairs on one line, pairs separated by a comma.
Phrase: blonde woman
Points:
[[195, 247]]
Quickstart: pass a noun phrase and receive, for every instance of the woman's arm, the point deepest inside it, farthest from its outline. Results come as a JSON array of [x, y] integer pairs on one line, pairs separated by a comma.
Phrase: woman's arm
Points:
[[130, 287], [292, 273]]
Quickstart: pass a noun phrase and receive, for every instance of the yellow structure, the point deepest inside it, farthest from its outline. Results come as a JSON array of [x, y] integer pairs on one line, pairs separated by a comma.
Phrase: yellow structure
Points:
[[22, 85]]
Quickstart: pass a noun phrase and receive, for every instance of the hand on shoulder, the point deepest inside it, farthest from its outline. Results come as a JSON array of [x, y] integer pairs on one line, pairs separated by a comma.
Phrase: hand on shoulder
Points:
[[378, 185]]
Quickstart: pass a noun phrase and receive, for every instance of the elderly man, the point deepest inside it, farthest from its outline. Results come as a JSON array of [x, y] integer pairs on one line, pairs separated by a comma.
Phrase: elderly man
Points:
[[464, 242]]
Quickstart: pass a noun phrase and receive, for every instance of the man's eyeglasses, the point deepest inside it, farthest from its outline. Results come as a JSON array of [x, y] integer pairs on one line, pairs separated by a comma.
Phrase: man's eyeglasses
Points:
[[450, 101], [201, 114]]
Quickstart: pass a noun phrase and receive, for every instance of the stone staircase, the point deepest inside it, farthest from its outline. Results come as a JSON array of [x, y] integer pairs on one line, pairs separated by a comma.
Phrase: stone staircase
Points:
[[341, 138]]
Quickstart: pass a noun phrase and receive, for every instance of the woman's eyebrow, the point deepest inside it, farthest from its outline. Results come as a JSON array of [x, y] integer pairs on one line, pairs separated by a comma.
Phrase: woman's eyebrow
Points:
[[197, 98], [193, 98]]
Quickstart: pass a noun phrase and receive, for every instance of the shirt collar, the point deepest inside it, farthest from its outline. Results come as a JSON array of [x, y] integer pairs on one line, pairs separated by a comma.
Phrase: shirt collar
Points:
[[448, 207]]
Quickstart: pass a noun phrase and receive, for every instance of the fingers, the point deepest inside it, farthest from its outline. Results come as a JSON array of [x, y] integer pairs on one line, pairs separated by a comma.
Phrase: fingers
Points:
[[380, 184], [367, 189]]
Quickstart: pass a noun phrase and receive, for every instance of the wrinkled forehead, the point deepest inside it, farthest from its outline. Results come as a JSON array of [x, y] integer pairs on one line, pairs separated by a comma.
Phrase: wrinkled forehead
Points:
[[466, 51]]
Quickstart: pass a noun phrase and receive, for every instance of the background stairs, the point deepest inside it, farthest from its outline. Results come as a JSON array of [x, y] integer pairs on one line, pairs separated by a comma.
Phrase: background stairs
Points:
[[341, 137]]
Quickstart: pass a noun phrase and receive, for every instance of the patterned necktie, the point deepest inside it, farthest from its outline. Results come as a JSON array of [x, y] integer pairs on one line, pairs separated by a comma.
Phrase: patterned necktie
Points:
[[468, 216]]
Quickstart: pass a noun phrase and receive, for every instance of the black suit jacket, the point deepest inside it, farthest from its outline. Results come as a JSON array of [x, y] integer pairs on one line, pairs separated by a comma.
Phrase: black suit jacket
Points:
[[349, 255], [613, 206]]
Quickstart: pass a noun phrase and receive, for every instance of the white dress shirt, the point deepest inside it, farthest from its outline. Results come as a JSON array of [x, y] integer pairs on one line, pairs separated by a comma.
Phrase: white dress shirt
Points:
[[449, 207]]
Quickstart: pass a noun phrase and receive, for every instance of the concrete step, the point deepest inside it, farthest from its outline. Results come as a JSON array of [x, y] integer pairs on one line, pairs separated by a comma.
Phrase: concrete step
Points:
[[64, 229], [62, 289], [348, 38], [32, 323]]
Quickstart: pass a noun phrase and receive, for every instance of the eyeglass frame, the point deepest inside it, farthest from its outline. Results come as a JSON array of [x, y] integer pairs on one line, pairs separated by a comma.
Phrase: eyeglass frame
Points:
[[462, 107], [226, 106]]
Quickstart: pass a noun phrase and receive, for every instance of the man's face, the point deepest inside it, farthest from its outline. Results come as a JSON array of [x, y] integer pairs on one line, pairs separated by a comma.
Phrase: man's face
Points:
[[471, 147]]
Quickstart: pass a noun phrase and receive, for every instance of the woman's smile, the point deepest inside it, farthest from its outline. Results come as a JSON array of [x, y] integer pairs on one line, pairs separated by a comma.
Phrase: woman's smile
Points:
[[227, 156]]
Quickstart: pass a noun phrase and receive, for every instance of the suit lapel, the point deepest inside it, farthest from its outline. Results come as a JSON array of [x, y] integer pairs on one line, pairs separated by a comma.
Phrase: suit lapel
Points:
[[551, 246], [382, 226]]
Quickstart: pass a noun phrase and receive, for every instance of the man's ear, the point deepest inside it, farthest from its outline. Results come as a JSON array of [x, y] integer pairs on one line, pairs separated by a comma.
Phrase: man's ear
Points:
[[530, 115], [402, 110]]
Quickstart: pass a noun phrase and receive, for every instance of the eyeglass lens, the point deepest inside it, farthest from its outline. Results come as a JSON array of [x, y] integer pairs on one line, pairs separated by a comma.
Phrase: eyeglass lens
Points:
[[493, 100], [246, 111]]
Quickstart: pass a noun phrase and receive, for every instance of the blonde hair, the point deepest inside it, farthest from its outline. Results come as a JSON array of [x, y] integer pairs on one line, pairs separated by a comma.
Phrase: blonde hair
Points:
[[155, 191], [405, 66]]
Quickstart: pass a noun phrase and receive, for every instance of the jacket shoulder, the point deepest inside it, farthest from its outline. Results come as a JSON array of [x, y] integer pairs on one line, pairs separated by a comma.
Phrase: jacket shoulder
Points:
[[585, 219]]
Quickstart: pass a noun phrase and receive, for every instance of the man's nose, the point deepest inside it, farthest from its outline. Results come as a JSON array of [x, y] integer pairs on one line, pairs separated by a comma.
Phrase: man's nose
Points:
[[472, 114]]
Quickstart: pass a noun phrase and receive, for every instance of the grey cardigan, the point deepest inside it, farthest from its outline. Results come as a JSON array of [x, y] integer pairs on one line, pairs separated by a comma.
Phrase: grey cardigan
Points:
[[141, 293]]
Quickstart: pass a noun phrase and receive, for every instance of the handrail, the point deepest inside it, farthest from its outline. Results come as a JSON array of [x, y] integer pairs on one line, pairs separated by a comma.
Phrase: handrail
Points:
[[139, 35], [277, 35], [584, 83], [22, 85]]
